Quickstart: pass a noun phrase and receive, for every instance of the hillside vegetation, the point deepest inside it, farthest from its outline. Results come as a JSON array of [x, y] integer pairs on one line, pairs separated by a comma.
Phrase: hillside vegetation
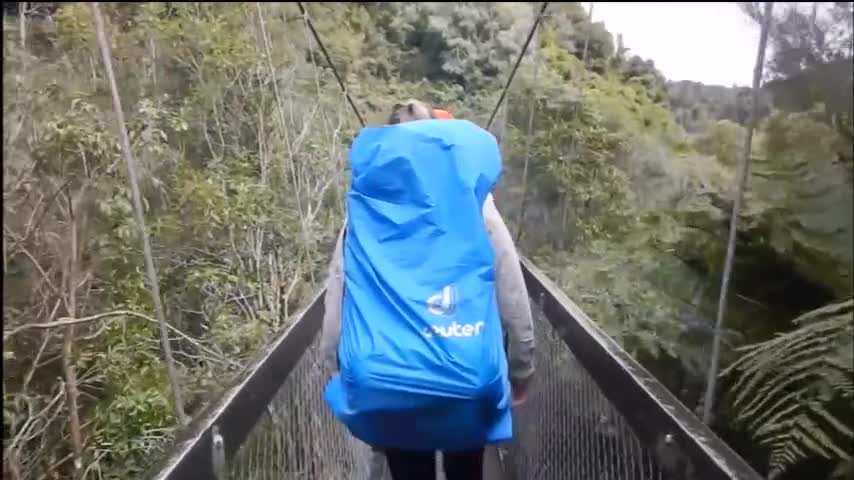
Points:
[[241, 135]]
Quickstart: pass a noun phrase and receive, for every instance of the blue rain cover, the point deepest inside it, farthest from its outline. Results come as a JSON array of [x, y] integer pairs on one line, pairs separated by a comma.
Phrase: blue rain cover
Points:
[[422, 362]]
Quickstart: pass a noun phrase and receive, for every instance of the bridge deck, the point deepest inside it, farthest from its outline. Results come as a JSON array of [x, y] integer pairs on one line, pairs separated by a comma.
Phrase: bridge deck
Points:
[[594, 413]]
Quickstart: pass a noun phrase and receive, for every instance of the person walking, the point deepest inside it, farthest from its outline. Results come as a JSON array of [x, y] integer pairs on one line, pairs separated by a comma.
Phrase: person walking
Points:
[[425, 287]]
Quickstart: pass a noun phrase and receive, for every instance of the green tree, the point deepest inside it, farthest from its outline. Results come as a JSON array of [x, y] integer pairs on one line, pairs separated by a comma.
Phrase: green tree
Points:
[[723, 140]]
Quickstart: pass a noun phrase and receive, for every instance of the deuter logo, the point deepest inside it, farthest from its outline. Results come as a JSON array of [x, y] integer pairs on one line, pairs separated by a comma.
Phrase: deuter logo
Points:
[[454, 330], [444, 302]]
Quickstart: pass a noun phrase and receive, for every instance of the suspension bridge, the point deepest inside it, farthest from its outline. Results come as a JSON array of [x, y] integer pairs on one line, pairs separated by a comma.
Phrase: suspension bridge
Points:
[[594, 413]]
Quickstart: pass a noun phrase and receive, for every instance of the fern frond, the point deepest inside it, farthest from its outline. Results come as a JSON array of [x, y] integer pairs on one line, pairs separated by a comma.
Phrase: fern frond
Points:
[[773, 415], [784, 387], [785, 451], [832, 421], [765, 387], [758, 354], [832, 309], [809, 429]]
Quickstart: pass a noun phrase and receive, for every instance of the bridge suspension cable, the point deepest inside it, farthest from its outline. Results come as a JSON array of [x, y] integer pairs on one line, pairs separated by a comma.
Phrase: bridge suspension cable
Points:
[[536, 24], [328, 58], [355, 109]]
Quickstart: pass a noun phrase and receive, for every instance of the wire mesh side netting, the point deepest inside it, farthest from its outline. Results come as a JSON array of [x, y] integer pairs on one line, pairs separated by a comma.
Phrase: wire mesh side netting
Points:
[[299, 439], [567, 429]]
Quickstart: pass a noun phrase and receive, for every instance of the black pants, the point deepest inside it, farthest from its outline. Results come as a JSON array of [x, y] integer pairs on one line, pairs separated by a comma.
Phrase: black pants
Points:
[[421, 464]]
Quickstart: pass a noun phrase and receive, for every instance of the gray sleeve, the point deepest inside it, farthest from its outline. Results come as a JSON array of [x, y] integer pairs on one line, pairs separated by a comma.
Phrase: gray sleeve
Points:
[[512, 295], [332, 307]]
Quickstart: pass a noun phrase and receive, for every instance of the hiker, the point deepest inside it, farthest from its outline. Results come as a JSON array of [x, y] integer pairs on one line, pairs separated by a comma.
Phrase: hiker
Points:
[[419, 376]]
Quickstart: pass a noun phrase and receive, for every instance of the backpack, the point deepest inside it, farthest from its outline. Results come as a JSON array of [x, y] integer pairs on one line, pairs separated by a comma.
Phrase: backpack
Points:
[[421, 352]]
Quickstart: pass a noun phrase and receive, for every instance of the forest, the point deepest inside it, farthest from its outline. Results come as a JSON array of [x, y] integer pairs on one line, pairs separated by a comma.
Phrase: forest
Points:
[[617, 181]]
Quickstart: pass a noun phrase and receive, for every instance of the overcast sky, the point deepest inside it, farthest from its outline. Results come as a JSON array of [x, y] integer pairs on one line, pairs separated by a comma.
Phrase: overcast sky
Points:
[[713, 42]]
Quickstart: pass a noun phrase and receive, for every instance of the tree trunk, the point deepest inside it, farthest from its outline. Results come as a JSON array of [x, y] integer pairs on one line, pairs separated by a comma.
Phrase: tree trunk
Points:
[[68, 361], [587, 37], [152, 51], [22, 23]]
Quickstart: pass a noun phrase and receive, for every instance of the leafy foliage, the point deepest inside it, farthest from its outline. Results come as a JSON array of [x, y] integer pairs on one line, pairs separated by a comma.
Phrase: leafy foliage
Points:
[[236, 203], [806, 198], [790, 389], [459, 42]]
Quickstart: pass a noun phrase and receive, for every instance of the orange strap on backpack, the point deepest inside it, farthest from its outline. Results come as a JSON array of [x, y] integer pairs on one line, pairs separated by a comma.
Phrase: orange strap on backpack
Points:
[[442, 114]]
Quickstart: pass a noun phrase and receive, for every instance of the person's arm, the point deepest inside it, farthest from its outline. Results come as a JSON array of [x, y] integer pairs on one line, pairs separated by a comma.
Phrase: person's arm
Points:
[[332, 302], [513, 304]]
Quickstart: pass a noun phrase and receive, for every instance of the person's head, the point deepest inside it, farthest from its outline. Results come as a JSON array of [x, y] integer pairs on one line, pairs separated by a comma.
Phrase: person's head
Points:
[[412, 110]]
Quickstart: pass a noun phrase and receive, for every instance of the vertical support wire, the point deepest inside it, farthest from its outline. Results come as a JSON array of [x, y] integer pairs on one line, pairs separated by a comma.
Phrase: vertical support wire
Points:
[[532, 108], [151, 272], [744, 173]]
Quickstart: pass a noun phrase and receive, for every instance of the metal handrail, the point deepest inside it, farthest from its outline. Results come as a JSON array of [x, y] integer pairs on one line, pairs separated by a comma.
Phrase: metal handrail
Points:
[[216, 433], [683, 446]]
